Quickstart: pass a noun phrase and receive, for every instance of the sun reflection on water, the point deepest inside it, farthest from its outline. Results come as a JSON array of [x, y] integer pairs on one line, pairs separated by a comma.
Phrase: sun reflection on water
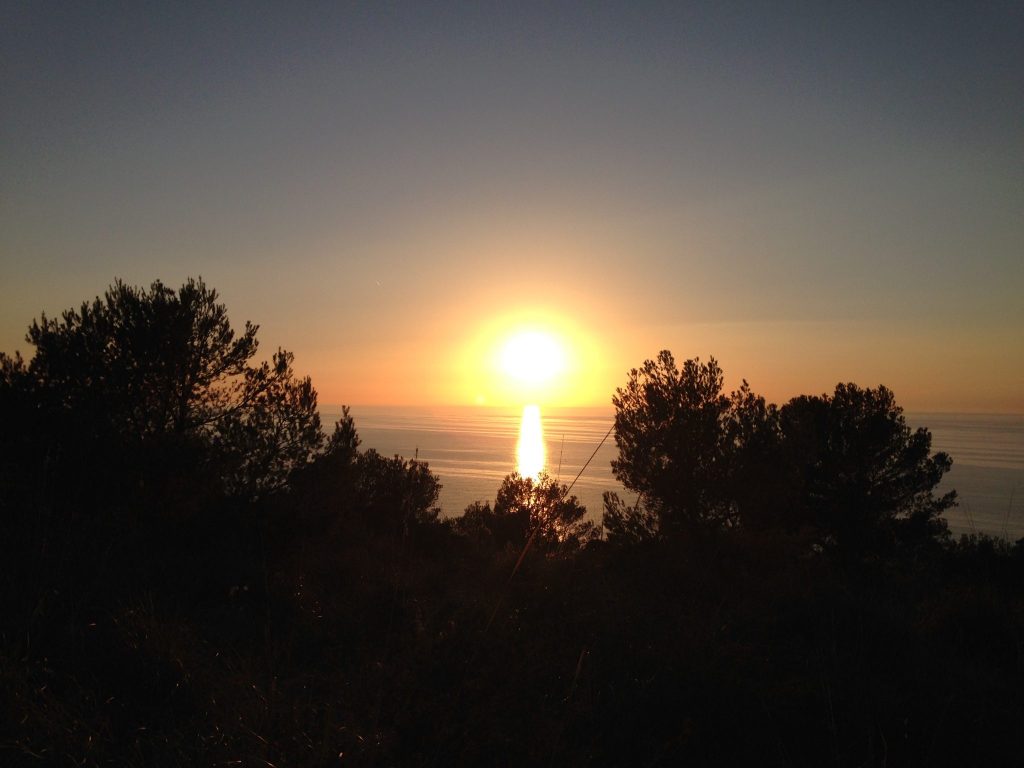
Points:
[[530, 453]]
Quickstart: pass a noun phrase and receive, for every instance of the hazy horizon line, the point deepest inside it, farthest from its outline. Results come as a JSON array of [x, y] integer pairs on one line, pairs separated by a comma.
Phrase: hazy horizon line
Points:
[[611, 409]]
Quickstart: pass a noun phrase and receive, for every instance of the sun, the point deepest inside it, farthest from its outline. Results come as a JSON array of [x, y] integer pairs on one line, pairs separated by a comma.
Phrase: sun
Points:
[[532, 357]]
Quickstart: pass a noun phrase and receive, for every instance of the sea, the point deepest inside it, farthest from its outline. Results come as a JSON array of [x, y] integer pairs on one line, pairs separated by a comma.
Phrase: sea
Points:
[[472, 449]]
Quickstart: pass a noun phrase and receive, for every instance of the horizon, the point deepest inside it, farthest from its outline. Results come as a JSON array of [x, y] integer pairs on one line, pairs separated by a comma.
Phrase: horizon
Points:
[[610, 409]]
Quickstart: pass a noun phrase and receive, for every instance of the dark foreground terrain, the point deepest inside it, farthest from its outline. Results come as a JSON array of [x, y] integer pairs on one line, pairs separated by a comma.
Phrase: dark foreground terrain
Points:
[[193, 573]]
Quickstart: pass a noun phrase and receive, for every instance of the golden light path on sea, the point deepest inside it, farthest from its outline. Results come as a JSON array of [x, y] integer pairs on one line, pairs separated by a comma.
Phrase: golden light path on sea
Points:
[[530, 451]]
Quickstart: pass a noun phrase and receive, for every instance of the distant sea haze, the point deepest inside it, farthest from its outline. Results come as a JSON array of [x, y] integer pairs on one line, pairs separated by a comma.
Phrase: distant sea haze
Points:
[[471, 449]]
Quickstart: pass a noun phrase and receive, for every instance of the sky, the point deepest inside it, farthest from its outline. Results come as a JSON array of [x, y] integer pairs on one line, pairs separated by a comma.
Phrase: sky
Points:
[[809, 192]]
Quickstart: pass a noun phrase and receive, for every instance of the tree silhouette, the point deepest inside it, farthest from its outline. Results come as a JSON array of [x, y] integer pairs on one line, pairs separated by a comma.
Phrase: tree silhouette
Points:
[[525, 508], [866, 481], [763, 481], [395, 491], [670, 427], [846, 466], [163, 370]]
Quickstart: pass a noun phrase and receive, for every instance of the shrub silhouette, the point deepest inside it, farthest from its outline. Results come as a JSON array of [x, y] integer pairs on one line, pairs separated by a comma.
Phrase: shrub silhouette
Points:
[[525, 508]]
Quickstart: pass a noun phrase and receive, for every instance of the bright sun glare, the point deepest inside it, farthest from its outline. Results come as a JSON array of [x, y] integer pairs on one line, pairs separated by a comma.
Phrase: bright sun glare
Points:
[[532, 357], [529, 356]]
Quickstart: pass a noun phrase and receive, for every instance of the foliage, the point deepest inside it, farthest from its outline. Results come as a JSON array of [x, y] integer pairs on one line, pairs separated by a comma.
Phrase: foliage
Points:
[[396, 491], [761, 479], [866, 479], [162, 369], [525, 508], [627, 524], [156, 360], [846, 466], [670, 428]]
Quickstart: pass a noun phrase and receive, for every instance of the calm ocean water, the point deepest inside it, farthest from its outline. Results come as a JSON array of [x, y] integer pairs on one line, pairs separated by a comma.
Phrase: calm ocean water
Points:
[[471, 449]]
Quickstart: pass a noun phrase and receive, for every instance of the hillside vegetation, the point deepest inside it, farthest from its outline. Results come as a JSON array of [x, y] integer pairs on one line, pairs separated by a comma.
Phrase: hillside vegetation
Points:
[[194, 572]]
